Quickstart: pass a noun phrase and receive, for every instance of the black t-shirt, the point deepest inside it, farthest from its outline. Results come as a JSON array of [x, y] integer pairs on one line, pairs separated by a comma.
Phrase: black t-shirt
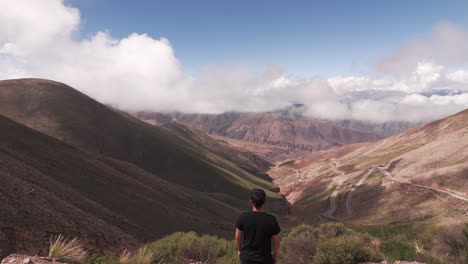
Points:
[[258, 229]]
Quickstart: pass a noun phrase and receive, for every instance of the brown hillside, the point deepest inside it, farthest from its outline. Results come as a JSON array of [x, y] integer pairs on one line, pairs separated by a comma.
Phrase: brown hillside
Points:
[[64, 113], [48, 187], [418, 175], [284, 132]]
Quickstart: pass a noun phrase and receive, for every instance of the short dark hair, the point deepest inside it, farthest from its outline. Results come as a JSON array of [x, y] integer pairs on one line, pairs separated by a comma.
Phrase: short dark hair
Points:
[[258, 197]]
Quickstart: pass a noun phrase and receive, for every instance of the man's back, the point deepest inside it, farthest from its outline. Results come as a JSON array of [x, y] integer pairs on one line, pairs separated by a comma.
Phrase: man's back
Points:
[[258, 228]]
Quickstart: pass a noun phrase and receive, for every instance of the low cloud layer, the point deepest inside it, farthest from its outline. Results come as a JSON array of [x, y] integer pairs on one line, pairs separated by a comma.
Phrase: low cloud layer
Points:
[[139, 72]]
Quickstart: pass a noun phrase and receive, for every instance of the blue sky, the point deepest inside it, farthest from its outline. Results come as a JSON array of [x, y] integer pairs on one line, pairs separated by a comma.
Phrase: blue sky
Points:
[[367, 60], [303, 37]]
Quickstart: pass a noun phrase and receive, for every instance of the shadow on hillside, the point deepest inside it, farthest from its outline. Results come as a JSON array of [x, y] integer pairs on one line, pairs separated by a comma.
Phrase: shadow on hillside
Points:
[[365, 201], [393, 164]]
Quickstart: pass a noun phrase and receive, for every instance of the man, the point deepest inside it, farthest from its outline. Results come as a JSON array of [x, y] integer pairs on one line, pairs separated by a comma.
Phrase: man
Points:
[[255, 231]]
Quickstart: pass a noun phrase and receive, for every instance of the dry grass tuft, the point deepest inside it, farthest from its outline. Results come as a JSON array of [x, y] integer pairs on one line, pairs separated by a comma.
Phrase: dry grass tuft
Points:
[[66, 250], [142, 256], [125, 257]]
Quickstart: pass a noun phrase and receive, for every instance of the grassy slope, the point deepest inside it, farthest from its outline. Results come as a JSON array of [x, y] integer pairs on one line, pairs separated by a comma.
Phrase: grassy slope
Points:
[[49, 186], [62, 112]]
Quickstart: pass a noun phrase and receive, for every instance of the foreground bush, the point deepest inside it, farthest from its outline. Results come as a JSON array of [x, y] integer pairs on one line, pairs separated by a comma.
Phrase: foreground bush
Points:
[[347, 249], [330, 244], [452, 244], [66, 250], [399, 248], [142, 256], [97, 259], [186, 247], [300, 245]]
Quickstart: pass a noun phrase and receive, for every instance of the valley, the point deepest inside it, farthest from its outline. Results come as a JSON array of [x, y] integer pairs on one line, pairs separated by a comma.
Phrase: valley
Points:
[[110, 177], [417, 175], [116, 180]]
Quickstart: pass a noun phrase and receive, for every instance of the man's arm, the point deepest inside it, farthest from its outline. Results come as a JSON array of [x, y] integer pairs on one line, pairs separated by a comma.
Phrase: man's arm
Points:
[[276, 247], [238, 240]]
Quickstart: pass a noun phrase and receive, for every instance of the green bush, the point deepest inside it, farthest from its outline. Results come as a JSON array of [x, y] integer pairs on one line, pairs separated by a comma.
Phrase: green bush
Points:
[[300, 245], [331, 243], [142, 256], [185, 247], [406, 241], [452, 244], [398, 248], [97, 259], [331, 230], [347, 249]]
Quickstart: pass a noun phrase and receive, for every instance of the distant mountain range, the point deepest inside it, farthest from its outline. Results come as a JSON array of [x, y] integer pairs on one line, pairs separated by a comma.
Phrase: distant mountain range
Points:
[[286, 134], [382, 129]]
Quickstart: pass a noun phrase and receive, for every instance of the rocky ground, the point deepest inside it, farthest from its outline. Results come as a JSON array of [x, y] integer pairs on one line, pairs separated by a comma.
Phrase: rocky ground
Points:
[[25, 259], [397, 262]]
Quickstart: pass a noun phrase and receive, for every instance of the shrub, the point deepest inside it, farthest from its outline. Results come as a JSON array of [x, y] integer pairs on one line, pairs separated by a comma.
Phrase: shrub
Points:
[[398, 248], [97, 259], [452, 244], [331, 243], [347, 249], [66, 250], [300, 245], [125, 257], [331, 230], [142, 256], [185, 247]]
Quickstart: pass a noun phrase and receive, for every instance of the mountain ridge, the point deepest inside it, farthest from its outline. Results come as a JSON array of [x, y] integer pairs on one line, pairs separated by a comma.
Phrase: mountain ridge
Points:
[[137, 182], [297, 135], [408, 170]]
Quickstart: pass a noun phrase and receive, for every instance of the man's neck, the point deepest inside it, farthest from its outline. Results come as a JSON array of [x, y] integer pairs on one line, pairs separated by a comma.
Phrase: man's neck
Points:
[[261, 209]]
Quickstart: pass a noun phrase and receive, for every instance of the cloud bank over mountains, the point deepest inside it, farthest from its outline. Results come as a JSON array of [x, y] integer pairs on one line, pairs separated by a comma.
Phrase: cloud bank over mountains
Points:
[[416, 83]]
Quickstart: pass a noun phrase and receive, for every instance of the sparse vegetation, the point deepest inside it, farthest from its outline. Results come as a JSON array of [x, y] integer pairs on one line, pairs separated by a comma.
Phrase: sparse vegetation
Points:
[[347, 249], [185, 247], [398, 248], [427, 244], [97, 259], [142, 256], [125, 257], [329, 244], [452, 244], [300, 245], [67, 250]]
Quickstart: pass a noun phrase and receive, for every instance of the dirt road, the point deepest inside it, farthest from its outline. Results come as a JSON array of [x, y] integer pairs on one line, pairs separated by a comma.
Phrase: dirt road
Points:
[[384, 170]]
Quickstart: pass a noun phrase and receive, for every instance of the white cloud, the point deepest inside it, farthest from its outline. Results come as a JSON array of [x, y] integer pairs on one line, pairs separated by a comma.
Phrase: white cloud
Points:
[[459, 76], [139, 72], [446, 45]]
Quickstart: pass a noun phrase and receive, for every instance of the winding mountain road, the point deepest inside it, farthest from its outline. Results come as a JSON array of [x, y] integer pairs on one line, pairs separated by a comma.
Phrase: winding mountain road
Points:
[[331, 210], [349, 209], [349, 198], [384, 170]]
